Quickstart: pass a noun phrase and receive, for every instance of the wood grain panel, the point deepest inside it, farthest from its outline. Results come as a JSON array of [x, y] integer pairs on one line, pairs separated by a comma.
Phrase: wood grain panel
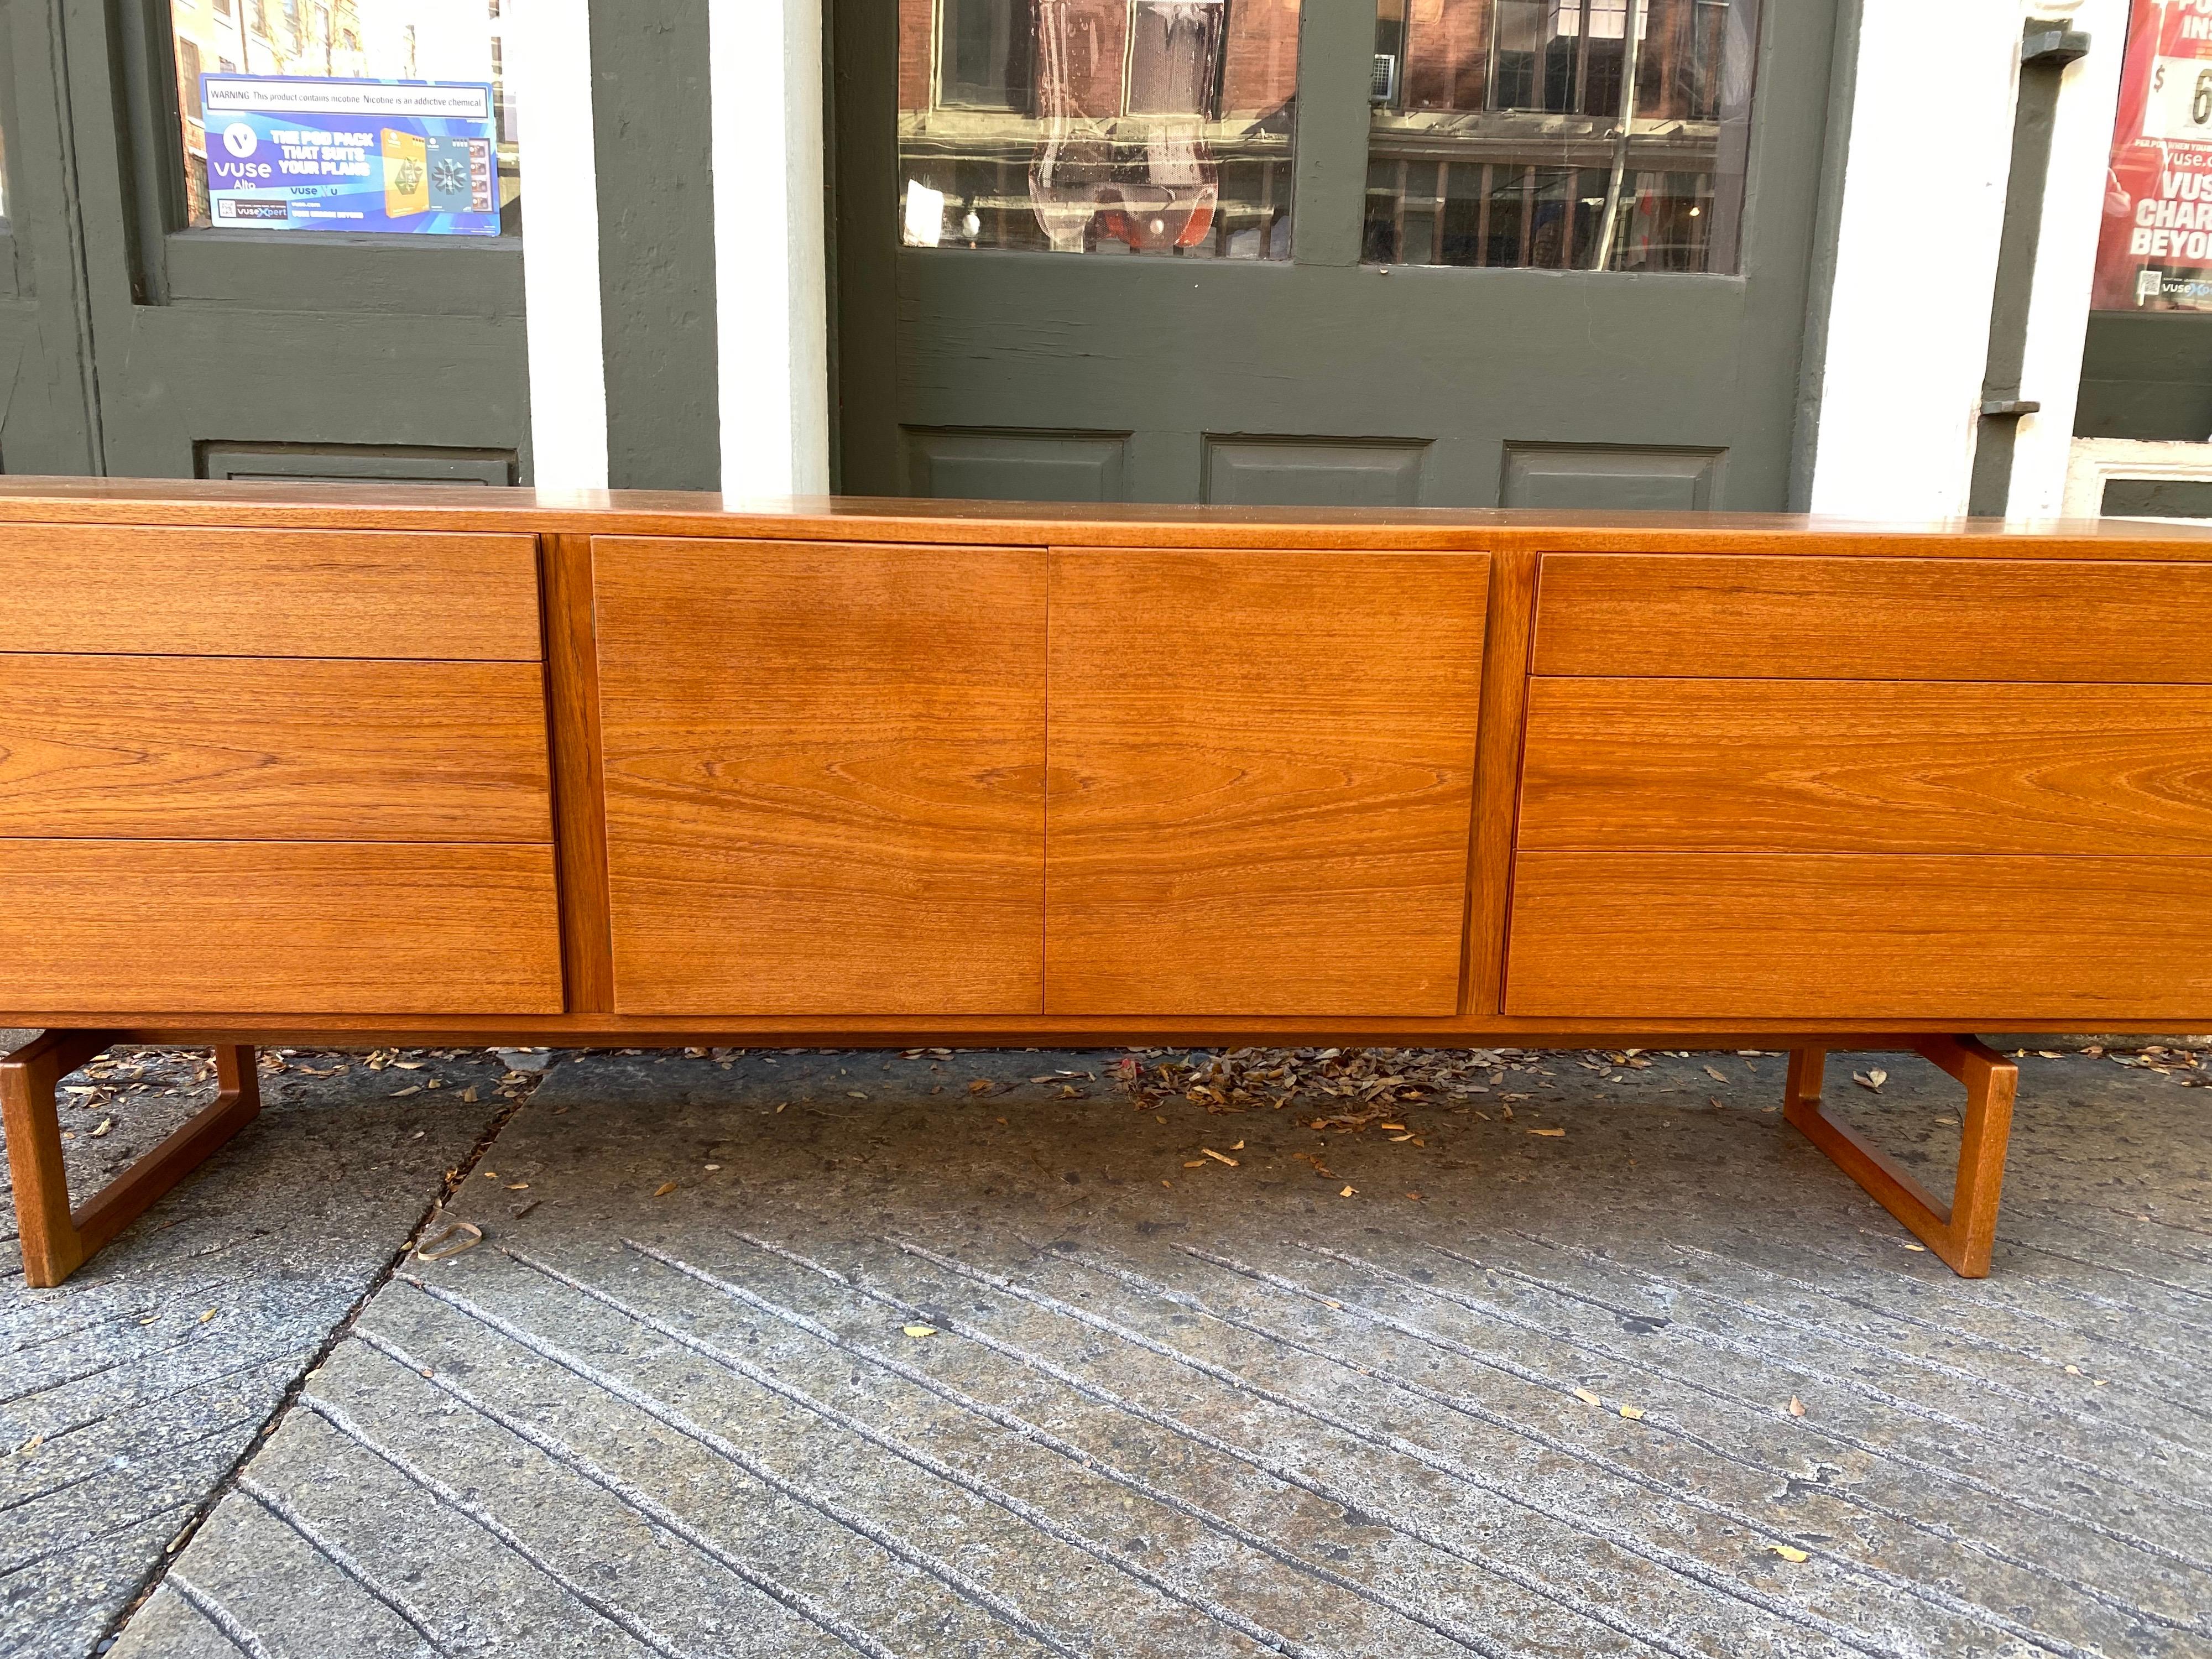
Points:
[[824, 776], [294, 927], [580, 804], [227, 748], [1695, 616], [1262, 781], [1609, 936], [269, 592], [1866, 766]]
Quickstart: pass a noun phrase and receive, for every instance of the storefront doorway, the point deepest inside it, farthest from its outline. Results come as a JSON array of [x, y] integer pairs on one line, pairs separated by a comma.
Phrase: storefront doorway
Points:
[[239, 243], [1444, 252]]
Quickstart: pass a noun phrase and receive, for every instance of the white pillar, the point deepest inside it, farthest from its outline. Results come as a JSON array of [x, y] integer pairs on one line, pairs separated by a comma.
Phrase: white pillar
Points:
[[550, 71], [1924, 186], [2065, 265], [764, 70]]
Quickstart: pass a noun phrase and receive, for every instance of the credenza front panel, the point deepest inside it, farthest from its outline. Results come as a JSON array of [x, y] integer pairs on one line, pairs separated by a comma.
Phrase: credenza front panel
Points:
[[263, 748], [169, 591], [1262, 781], [1781, 788], [122, 928], [1753, 616], [1866, 766], [1816, 937], [824, 770]]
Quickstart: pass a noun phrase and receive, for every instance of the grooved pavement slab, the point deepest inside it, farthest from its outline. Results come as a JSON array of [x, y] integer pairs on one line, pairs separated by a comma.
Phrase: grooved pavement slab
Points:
[[128, 1393], [800, 1353]]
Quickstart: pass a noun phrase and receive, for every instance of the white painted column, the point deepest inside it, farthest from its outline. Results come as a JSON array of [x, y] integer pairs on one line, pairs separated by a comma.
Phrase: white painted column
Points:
[[764, 72], [2065, 265], [550, 67], [1916, 270]]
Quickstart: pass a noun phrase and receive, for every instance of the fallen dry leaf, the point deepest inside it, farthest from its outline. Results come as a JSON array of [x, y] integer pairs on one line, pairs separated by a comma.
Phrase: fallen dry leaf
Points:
[[1588, 1398], [1195, 1164], [1348, 1191], [105, 1124], [1633, 1413], [402, 1094], [664, 1189], [1554, 1132], [1788, 1554], [1717, 1074], [1872, 1078], [920, 1331], [1796, 1406], [449, 1241], [1220, 1158]]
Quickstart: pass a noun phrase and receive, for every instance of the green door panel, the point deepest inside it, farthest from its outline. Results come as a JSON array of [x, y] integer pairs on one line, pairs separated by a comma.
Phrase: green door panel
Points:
[[1317, 379]]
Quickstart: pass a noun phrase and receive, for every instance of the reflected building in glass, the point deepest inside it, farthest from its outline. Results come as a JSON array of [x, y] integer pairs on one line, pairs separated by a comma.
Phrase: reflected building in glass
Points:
[[1549, 134], [1098, 127]]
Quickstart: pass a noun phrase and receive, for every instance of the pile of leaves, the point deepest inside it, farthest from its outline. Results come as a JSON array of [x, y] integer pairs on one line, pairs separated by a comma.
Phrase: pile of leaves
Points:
[[1337, 1088]]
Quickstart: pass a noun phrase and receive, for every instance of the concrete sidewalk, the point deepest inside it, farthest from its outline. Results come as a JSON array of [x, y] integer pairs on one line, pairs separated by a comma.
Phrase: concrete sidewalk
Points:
[[801, 1353]]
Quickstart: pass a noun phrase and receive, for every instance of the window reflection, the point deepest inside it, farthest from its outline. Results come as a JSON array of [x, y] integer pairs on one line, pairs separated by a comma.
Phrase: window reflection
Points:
[[1550, 133], [1098, 127]]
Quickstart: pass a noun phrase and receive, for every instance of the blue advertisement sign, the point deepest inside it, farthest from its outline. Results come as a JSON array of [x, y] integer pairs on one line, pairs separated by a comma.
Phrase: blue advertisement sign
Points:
[[298, 153]]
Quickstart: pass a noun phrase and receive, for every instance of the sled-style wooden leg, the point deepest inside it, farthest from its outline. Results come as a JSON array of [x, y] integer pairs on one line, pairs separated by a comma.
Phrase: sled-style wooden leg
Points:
[[56, 1241], [1963, 1231]]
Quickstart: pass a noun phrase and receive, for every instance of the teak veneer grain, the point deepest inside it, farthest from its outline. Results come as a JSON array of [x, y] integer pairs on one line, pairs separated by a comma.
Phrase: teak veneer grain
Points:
[[255, 929], [1830, 617], [442, 765], [2078, 942], [1866, 766], [228, 593], [1261, 770], [255, 749], [824, 777]]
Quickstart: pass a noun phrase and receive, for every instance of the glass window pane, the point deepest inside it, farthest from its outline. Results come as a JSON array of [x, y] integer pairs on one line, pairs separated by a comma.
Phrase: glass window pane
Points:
[[1098, 127], [1544, 133], [356, 115]]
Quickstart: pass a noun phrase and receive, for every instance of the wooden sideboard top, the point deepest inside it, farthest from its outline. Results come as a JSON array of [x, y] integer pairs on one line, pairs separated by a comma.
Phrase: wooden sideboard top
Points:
[[670, 512]]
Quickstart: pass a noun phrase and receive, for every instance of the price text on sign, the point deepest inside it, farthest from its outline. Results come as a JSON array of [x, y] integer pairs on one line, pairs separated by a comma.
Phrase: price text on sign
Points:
[[2180, 107]]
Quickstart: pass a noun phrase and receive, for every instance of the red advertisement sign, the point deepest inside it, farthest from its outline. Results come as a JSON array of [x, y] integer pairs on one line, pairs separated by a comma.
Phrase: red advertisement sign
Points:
[[2156, 251]]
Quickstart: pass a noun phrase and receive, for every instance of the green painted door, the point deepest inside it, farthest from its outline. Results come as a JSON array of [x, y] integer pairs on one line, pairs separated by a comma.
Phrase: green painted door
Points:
[[1371, 252], [151, 340]]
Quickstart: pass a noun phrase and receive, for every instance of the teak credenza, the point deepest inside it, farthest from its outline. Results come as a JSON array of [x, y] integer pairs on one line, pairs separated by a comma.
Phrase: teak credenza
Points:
[[321, 764]]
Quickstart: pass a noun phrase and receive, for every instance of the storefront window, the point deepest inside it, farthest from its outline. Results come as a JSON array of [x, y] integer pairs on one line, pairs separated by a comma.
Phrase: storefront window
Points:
[[360, 115], [1547, 133], [1098, 127], [2156, 251]]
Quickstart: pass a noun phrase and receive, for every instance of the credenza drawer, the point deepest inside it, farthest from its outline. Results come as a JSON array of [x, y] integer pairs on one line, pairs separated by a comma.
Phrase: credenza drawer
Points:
[[1772, 618], [264, 748], [122, 928], [1866, 766], [269, 592], [1625, 936]]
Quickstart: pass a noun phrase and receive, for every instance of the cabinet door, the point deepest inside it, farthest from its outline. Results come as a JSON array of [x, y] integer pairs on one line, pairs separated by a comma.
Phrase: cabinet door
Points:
[[1262, 772], [824, 776]]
